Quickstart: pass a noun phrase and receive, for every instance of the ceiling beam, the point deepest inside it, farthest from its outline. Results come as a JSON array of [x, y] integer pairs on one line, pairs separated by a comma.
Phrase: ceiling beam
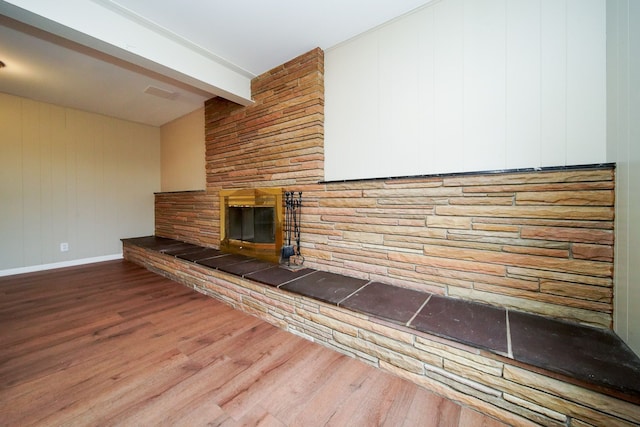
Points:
[[111, 29]]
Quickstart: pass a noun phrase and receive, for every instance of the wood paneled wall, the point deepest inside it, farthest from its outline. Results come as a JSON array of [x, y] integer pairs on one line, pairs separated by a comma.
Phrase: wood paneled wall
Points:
[[74, 177]]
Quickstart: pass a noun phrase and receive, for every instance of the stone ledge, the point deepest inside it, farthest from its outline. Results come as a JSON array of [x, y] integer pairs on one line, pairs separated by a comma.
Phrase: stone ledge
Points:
[[479, 376]]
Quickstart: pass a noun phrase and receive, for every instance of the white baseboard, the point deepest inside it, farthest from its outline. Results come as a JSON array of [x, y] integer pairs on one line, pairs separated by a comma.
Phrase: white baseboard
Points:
[[42, 267]]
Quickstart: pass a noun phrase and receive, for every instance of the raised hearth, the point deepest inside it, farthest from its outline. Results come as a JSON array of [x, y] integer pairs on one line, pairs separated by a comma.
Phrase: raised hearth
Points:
[[594, 357]]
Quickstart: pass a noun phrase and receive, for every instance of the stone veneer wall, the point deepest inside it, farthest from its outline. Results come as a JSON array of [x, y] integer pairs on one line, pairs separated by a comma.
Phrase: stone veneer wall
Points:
[[277, 141], [539, 241], [188, 216], [497, 386]]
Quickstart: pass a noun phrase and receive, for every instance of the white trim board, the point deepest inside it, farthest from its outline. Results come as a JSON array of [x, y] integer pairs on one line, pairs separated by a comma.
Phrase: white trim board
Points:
[[71, 263]]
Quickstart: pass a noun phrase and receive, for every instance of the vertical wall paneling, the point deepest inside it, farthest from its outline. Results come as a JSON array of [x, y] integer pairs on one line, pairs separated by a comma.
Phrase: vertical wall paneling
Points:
[[553, 82], [45, 137], [614, 49], [515, 84], [11, 167], [400, 114], [59, 175], [623, 134], [71, 183], [617, 136], [110, 218], [586, 84], [634, 175], [100, 179], [31, 182], [448, 89], [523, 83], [75, 177], [484, 85], [425, 92], [86, 162], [355, 72], [618, 113]]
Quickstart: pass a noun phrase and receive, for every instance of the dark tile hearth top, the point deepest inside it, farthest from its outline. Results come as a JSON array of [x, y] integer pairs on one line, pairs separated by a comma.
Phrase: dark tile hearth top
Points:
[[184, 248], [276, 275], [480, 325], [398, 305], [203, 253], [223, 261], [592, 356], [327, 287], [242, 268]]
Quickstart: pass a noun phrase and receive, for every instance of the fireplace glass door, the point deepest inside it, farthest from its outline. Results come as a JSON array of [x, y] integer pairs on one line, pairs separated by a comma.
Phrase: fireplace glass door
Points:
[[251, 222]]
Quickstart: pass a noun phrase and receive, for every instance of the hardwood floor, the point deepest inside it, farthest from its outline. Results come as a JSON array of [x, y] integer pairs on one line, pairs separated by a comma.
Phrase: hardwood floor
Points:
[[114, 344]]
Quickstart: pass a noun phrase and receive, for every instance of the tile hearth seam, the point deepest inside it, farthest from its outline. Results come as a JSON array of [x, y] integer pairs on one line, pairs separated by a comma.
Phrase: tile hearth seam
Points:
[[509, 349], [408, 324], [293, 280], [354, 292], [244, 276]]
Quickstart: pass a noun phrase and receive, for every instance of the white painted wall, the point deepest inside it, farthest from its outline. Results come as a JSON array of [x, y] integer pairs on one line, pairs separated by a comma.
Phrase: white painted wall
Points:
[[469, 85], [623, 143], [75, 177]]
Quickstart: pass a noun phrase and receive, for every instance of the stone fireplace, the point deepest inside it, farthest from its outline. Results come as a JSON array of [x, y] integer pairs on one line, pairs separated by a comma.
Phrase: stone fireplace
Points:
[[532, 241], [251, 222], [539, 241]]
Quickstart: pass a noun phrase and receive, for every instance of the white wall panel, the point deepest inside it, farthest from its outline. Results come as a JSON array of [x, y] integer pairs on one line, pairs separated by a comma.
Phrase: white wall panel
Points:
[[472, 85], [586, 81], [425, 90], [523, 84], [553, 82], [623, 134], [634, 175], [448, 101], [351, 121], [400, 114], [484, 85]]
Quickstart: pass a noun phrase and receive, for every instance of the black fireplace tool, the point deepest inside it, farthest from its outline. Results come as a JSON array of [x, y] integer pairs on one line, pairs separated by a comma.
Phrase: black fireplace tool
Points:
[[292, 205]]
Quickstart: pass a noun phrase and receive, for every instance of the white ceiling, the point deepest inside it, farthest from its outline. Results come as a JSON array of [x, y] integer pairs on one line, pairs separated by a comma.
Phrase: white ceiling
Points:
[[248, 37]]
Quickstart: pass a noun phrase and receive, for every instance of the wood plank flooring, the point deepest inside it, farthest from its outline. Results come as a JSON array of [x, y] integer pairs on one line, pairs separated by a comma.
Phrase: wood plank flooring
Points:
[[114, 344]]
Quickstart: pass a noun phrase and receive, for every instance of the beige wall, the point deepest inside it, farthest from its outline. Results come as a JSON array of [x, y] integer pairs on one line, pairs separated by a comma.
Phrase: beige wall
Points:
[[75, 177], [623, 140], [182, 153]]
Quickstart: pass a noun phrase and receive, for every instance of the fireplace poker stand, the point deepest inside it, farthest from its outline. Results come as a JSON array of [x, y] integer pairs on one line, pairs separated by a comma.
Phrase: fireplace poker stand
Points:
[[290, 254]]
